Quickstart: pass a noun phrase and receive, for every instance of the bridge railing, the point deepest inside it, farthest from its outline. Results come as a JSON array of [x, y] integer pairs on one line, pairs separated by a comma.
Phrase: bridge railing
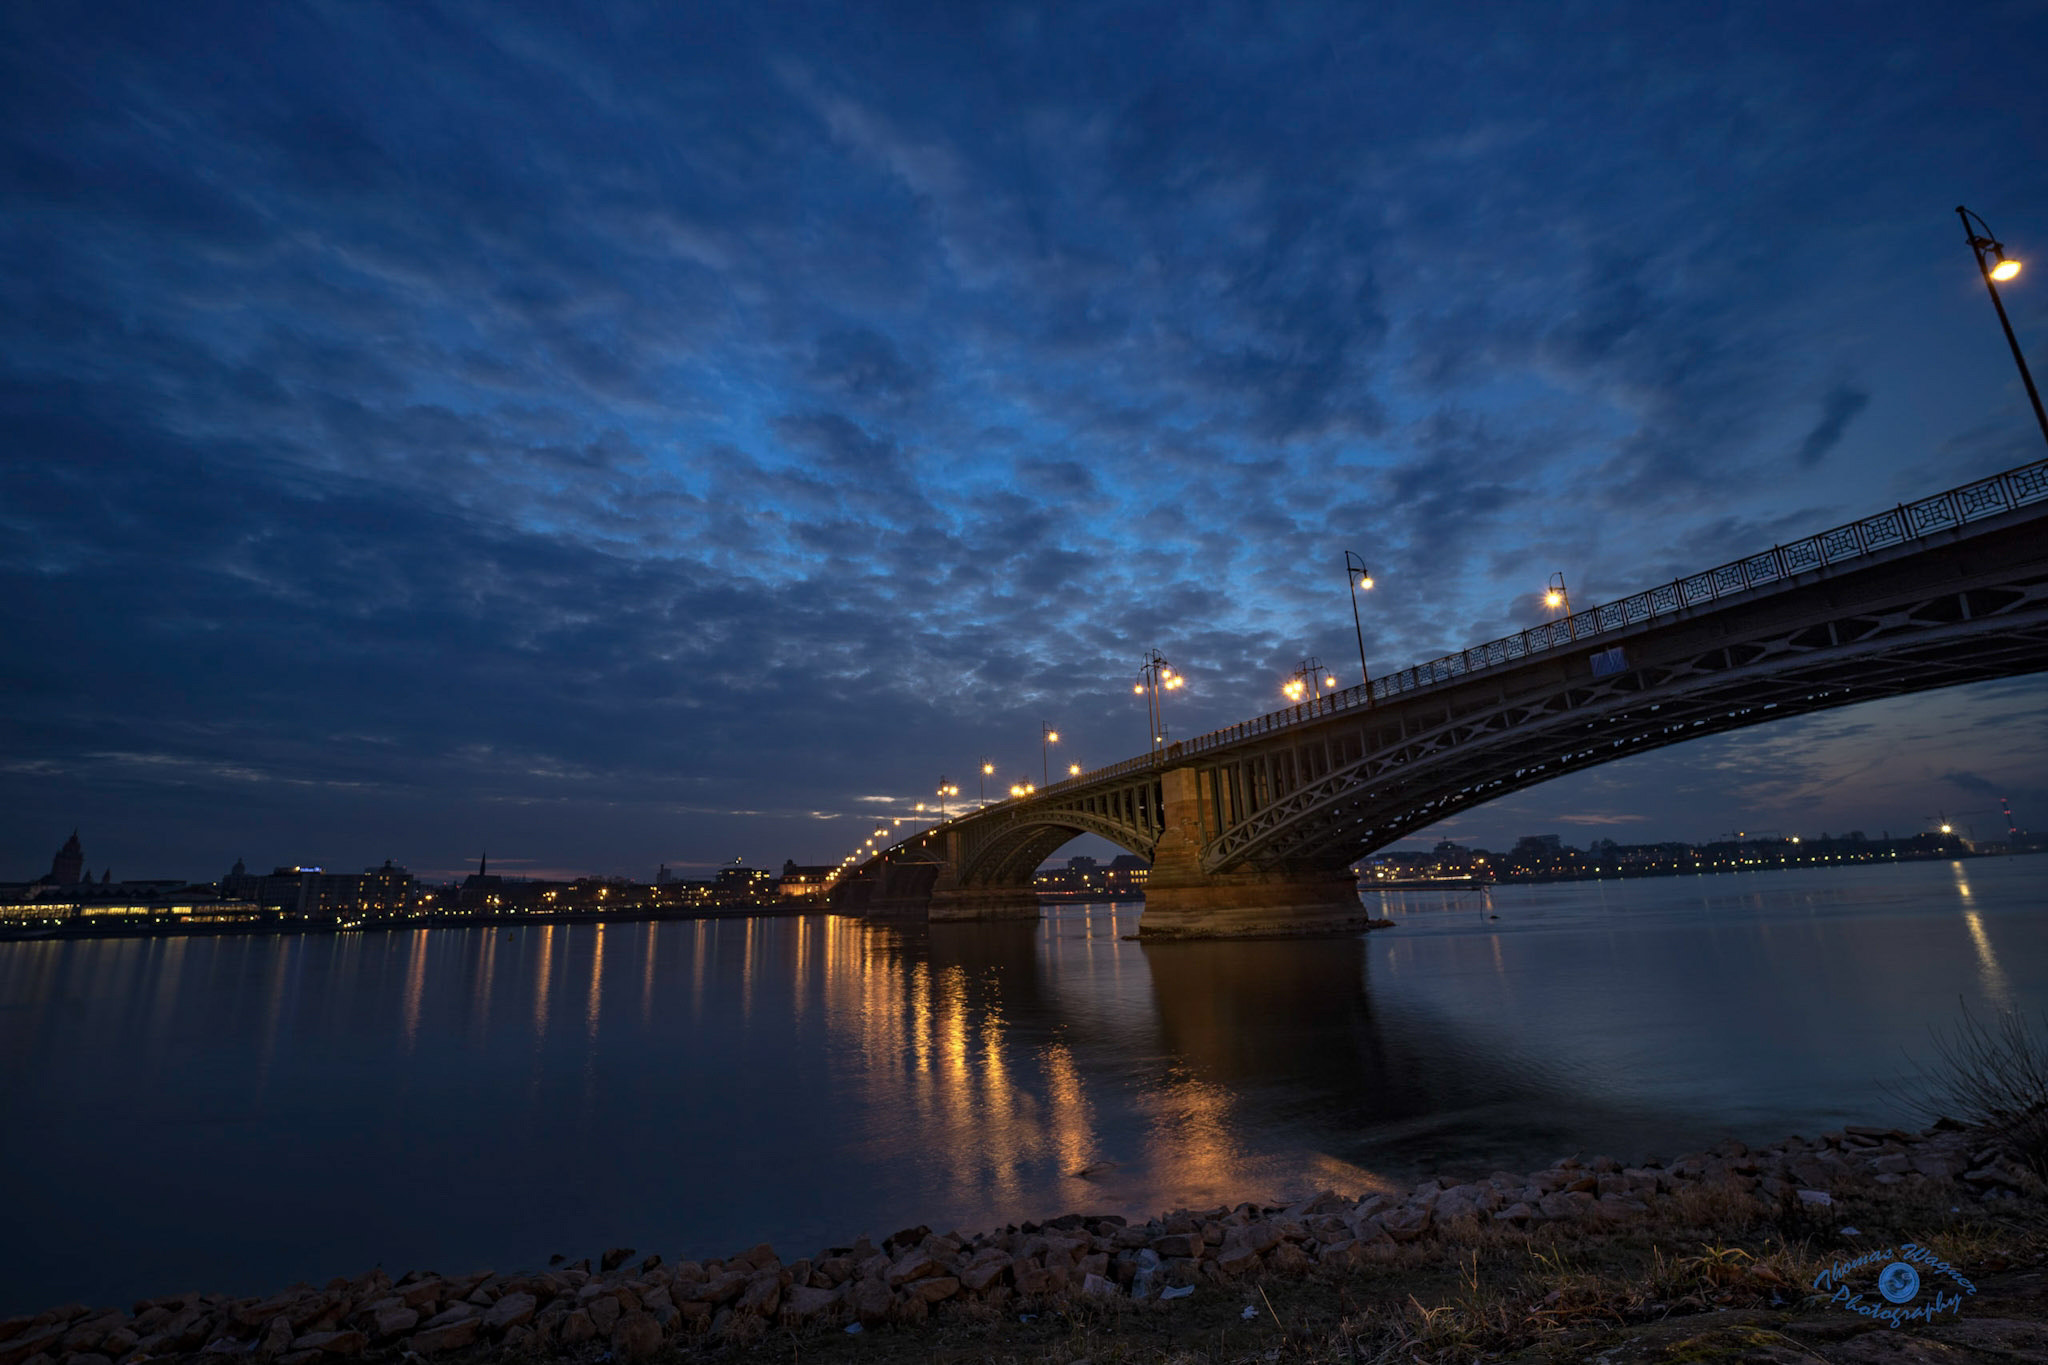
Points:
[[1908, 521]]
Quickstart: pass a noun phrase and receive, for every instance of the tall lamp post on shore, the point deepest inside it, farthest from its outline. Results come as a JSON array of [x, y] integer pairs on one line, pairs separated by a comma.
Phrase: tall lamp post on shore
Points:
[[1156, 678], [1995, 267], [1047, 737], [1359, 578]]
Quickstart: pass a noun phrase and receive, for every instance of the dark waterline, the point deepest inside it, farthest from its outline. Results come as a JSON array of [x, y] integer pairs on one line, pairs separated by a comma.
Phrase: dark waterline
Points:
[[236, 1113]]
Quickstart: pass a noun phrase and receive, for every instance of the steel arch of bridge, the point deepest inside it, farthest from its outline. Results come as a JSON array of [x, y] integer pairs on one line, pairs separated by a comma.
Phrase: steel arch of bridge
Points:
[[1004, 845], [1335, 812]]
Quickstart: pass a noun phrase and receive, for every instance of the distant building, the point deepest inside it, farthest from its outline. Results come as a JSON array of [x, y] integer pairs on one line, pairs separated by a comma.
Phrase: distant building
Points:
[[802, 883], [68, 867], [480, 890]]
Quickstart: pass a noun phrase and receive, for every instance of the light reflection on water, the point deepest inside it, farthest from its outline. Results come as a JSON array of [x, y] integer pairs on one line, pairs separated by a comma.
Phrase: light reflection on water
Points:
[[282, 1108]]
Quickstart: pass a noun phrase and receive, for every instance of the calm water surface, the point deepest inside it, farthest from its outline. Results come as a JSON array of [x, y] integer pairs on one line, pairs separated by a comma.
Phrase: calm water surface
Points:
[[236, 1113]]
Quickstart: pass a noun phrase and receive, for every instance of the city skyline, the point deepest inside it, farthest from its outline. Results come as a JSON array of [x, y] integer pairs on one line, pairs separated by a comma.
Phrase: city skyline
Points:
[[646, 439]]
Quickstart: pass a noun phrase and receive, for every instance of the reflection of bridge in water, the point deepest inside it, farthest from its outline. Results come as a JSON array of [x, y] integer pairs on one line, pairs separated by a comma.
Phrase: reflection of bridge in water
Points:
[[1252, 829]]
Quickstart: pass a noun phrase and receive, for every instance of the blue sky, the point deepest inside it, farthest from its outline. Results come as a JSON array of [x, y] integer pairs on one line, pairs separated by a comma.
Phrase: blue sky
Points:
[[627, 433]]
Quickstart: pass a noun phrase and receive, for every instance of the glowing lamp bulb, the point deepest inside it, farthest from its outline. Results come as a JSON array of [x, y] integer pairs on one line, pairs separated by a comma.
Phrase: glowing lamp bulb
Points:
[[2005, 270], [1553, 599], [1138, 687], [1365, 581]]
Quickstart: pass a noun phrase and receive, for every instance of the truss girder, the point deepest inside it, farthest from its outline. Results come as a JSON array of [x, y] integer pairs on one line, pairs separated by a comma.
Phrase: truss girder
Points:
[[1304, 799]]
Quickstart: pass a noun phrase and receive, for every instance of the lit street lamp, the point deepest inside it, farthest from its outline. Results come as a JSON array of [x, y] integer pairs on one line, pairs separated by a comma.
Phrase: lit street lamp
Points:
[[946, 789], [1356, 574], [1155, 679], [1557, 596], [1993, 265], [1073, 770], [1047, 737], [1308, 682], [988, 770]]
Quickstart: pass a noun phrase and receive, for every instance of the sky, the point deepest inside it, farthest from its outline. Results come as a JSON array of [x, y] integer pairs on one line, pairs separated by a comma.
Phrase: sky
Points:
[[620, 434]]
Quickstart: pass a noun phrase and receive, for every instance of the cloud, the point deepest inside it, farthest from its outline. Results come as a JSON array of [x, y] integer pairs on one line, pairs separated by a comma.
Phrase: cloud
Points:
[[1839, 408]]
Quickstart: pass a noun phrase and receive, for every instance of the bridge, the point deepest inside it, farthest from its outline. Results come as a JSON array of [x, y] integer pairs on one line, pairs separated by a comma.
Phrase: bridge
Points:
[[1252, 829]]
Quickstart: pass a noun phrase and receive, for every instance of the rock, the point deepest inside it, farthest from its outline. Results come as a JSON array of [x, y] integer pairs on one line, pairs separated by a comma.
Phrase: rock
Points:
[[86, 1335], [394, 1322], [119, 1342], [935, 1289], [985, 1269], [758, 1258], [94, 1358], [449, 1337], [1237, 1258], [636, 1337], [914, 1264], [332, 1343], [298, 1358], [802, 1303], [1406, 1224], [578, 1327], [604, 1313], [870, 1301], [32, 1342], [452, 1314], [521, 1340], [1892, 1163], [1097, 1287], [614, 1258], [723, 1289], [763, 1294], [276, 1338], [1565, 1204], [510, 1311], [423, 1294]]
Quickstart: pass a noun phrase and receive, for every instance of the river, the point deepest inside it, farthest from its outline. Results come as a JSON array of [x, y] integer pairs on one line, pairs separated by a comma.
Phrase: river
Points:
[[235, 1113]]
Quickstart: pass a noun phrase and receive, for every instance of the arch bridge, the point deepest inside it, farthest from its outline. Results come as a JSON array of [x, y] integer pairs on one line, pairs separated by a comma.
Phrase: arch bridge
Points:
[[1252, 829]]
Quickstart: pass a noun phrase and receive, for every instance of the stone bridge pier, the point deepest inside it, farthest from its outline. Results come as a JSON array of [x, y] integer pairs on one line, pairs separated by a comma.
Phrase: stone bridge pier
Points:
[[1183, 901]]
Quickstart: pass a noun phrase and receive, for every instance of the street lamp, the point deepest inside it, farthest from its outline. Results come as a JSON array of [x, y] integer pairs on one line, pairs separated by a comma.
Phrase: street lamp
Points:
[[1047, 737], [988, 770], [1558, 596], [1073, 770], [946, 789], [1308, 682], [1995, 268], [1356, 574], [1155, 679]]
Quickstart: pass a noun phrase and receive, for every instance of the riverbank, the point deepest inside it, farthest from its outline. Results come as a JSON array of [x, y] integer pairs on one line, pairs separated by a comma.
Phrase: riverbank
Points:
[[1753, 1251]]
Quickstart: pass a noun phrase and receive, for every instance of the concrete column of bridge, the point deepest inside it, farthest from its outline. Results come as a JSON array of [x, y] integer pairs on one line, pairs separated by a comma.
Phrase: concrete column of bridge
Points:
[[952, 901], [1183, 901]]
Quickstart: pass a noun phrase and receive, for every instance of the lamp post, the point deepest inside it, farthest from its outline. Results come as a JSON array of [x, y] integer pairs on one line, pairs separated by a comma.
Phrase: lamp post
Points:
[[1308, 681], [1993, 266], [987, 771], [1047, 737], [1155, 679], [1556, 596], [946, 789], [1356, 574]]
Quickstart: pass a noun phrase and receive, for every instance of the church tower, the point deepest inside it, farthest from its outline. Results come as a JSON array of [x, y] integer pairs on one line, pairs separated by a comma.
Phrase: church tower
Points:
[[69, 864]]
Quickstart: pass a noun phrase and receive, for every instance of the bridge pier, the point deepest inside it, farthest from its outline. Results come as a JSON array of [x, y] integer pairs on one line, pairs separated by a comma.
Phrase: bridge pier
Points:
[[949, 900], [1183, 901]]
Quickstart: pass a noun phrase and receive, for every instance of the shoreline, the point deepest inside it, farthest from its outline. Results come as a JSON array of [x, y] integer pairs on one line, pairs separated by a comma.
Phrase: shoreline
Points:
[[1075, 1264]]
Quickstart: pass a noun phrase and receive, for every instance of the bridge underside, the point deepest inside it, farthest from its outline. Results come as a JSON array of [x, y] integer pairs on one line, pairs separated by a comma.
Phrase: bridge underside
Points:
[[1257, 836]]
